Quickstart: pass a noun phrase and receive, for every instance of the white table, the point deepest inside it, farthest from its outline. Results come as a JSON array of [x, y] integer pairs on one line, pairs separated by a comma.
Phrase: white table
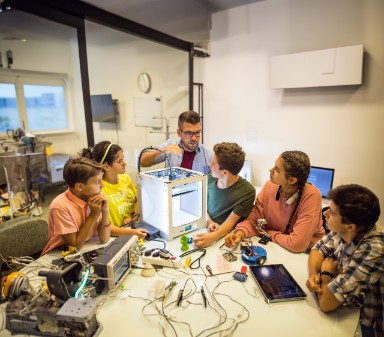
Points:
[[121, 314]]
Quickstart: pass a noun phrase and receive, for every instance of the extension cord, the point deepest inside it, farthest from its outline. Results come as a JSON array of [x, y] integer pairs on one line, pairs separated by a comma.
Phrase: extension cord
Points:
[[159, 261]]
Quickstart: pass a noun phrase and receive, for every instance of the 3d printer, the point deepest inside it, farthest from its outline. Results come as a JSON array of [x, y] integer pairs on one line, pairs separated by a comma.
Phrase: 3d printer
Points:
[[174, 200]]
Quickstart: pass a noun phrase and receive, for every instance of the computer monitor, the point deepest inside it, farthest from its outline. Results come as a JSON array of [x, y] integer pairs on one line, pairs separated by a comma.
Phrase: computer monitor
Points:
[[322, 178], [103, 109]]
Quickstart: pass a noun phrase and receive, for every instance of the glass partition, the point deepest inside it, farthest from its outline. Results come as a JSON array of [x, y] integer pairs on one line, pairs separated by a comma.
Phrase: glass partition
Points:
[[115, 61]]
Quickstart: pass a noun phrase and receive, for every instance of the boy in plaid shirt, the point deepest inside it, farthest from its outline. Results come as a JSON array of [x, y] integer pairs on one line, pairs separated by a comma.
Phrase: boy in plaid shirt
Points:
[[347, 265]]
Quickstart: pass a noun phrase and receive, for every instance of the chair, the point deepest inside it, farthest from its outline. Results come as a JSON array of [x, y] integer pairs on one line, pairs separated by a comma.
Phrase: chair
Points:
[[22, 236], [324, 219]]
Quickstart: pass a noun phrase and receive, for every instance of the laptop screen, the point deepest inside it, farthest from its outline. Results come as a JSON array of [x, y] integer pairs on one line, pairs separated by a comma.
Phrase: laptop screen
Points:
[[322, 178]]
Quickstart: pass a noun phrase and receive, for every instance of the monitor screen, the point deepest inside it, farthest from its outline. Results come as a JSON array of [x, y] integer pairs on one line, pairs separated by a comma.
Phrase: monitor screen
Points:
[[322, 178], [103, 109]]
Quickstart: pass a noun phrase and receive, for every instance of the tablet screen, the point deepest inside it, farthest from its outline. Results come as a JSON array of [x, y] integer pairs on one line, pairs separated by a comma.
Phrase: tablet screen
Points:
[[276, 283]]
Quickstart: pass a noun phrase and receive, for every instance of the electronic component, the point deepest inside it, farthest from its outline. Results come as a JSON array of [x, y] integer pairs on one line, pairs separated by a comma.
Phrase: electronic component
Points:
[[115, 261], [14, 285], [172, 261], [153, 232], [168, 289], [180, 297], [229, 256], [245, 243], [175, 206], [264, 239], [76, 318], [240, 276], [149, 252], [254, 255], [260, 226], [277, 284], [64, 282], [204, 297]]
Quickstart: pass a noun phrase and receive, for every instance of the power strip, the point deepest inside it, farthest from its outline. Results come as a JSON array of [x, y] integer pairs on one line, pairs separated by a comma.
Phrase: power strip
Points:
[[173, 262]]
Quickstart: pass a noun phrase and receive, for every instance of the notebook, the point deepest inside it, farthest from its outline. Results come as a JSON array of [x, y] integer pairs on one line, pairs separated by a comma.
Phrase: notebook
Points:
[[277, 284]]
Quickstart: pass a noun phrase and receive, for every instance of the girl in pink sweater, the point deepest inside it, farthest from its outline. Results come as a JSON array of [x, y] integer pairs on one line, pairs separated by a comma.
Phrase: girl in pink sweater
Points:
[[291, 206]]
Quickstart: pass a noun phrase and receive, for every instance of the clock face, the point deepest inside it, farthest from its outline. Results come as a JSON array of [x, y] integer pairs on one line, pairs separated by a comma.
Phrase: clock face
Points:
[[144, 83]]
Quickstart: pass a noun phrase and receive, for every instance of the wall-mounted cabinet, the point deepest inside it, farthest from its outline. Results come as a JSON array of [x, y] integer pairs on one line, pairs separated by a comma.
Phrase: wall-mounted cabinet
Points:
[[319, 68]]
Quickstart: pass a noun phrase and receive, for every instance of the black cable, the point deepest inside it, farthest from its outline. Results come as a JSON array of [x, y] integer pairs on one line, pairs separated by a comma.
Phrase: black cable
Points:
[[150, 148], [146, 149], [165, 245], [204, 251]]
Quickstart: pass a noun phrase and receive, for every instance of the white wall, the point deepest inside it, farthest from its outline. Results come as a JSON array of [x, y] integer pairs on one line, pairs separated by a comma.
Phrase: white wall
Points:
[[338, 127]]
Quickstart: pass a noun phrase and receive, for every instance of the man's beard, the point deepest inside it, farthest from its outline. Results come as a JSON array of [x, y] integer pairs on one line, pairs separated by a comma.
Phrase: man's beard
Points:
[[190, 147]]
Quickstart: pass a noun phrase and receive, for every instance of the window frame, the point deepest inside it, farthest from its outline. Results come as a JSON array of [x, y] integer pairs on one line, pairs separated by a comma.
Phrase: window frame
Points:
[[21, 77]]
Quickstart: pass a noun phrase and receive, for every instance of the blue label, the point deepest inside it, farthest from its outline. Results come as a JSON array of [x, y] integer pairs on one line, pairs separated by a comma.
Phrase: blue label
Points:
[[188, 228]]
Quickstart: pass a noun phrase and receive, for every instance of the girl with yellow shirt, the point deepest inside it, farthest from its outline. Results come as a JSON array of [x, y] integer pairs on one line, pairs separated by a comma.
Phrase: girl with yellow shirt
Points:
[[118, 186]]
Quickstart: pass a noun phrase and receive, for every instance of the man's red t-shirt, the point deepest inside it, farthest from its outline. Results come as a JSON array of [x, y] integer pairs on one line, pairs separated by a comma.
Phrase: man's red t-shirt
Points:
[[188, 159]]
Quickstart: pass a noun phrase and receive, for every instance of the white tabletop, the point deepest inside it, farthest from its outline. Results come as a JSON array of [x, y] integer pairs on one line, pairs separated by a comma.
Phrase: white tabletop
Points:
[[240, 306]]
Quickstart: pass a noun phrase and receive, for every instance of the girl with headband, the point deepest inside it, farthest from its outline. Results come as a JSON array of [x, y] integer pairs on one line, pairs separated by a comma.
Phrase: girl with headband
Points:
[[118, 186]]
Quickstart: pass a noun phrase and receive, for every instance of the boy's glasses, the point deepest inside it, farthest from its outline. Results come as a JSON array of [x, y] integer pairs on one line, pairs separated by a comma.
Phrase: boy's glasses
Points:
[[189, 134]]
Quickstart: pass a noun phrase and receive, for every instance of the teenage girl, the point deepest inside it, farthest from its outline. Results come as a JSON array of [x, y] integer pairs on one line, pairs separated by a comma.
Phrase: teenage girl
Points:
[[291, 206], [118, 186]]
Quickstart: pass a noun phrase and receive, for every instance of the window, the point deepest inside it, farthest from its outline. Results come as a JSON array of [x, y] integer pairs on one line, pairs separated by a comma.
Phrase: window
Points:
[[9, 117], [35, 102]]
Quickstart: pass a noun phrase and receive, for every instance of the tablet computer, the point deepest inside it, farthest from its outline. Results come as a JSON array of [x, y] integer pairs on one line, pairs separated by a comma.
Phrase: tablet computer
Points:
[[277, 284]]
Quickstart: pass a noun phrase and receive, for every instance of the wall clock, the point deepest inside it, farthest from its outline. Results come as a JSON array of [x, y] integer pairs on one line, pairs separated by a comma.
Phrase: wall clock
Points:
[[144, 82]]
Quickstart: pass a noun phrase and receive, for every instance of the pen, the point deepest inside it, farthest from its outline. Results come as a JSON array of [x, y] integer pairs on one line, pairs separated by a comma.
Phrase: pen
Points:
[[209, 269], [204, 297]]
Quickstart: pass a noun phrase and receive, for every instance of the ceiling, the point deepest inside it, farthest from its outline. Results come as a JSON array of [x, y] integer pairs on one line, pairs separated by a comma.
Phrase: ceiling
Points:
[[185, 19]]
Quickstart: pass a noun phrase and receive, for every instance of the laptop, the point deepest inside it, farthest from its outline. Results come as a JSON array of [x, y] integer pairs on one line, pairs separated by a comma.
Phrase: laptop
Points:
[[322, 178], [277, 284]]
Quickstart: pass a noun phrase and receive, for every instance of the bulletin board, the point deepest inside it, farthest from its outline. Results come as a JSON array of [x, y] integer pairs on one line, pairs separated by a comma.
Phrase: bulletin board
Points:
[[147, 111]]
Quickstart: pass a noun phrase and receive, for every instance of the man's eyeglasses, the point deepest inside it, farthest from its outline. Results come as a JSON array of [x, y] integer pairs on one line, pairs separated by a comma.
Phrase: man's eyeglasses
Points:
[[189, 134]]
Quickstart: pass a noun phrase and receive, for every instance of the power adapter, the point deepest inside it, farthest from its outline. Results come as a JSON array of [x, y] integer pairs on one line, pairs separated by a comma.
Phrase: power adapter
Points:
[[153, 232]]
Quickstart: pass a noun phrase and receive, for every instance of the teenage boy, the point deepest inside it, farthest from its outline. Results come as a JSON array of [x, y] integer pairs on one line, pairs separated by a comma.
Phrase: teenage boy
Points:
[[188, 152], [347, 265], [230, 197], [80, 212]]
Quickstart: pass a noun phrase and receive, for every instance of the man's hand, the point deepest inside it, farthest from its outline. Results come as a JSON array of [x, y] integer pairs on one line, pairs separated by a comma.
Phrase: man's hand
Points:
[[173, 148], [204, 240], [233, 239]]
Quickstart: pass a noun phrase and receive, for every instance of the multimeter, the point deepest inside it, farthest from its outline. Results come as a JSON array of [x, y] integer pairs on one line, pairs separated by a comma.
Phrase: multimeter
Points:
[[240, 276]]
